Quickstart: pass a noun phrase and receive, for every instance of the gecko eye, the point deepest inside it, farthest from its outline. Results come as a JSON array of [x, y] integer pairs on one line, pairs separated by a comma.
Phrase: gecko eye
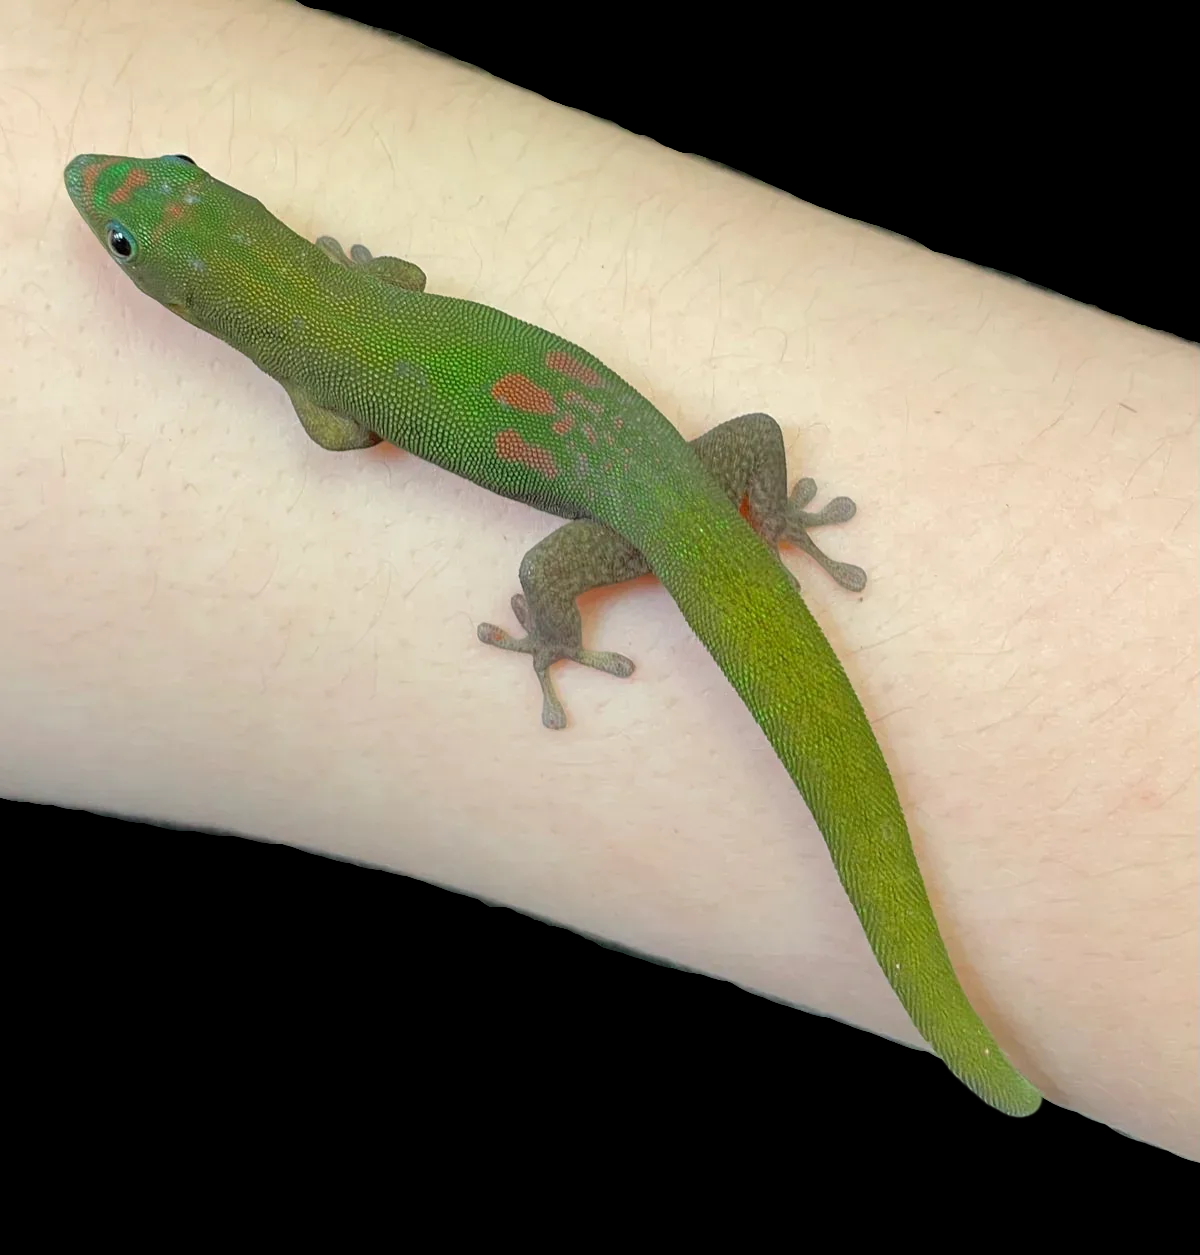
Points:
[[120, 243], [182, 157]]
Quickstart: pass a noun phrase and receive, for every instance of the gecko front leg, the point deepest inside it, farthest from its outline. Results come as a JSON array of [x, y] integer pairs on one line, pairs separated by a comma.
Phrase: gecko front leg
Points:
[[747, 458], [394, 270]]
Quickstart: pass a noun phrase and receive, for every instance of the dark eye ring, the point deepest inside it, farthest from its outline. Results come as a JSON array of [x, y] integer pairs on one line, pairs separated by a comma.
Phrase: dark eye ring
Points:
[[120, 243], [183, 157]]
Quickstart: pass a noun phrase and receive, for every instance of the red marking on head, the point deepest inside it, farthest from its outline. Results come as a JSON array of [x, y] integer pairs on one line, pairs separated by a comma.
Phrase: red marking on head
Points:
[[562, 426], [511, 446], [564, 364], [129, 184], [93, 172], [589, 433], [173, 212], [520, 393]]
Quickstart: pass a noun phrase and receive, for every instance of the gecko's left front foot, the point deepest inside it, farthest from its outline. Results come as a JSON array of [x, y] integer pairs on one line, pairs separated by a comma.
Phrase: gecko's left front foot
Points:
[[545, 652]]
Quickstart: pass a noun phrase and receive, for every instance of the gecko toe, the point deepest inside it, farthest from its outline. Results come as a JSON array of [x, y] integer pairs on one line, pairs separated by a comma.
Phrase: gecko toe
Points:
[[545, 654], [799, 521], [601, 660]]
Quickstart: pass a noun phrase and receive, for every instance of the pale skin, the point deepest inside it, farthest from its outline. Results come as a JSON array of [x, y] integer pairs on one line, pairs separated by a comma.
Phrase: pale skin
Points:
[[1040, 828]]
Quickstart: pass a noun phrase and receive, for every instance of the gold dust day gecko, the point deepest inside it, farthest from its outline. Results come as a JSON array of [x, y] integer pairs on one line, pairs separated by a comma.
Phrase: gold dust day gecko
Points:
[[365, 354]]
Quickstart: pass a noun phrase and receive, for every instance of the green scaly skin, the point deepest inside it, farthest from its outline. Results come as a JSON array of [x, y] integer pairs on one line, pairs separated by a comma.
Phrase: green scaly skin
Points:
[[365, 354]]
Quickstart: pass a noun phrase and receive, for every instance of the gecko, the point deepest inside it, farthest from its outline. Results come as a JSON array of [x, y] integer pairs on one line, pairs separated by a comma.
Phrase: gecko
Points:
[[367, 355]]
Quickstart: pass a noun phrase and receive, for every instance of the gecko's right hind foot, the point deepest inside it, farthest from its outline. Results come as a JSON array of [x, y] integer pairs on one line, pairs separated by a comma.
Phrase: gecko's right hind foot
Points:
[[800, 520], [545, 653]]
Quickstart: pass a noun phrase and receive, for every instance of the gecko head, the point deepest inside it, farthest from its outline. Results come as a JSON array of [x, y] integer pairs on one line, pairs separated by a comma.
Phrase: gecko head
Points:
[[155, 218]]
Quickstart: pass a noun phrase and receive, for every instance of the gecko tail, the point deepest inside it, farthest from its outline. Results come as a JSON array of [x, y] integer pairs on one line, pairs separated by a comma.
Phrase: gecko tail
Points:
[[743, 605]]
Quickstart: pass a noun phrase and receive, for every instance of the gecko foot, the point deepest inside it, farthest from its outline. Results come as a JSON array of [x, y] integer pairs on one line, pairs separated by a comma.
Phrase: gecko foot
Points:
[[545, 653], [799, 520]]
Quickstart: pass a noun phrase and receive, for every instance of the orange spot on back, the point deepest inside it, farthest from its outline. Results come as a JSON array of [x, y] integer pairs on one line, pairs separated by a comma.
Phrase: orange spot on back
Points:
[[521, 393], [511, 446], [129, 184], [577, 398], [562, 426], [564, 364]]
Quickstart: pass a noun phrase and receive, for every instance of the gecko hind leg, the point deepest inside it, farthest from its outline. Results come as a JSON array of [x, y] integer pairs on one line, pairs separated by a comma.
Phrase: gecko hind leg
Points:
[[581, 555], [746, 456]]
